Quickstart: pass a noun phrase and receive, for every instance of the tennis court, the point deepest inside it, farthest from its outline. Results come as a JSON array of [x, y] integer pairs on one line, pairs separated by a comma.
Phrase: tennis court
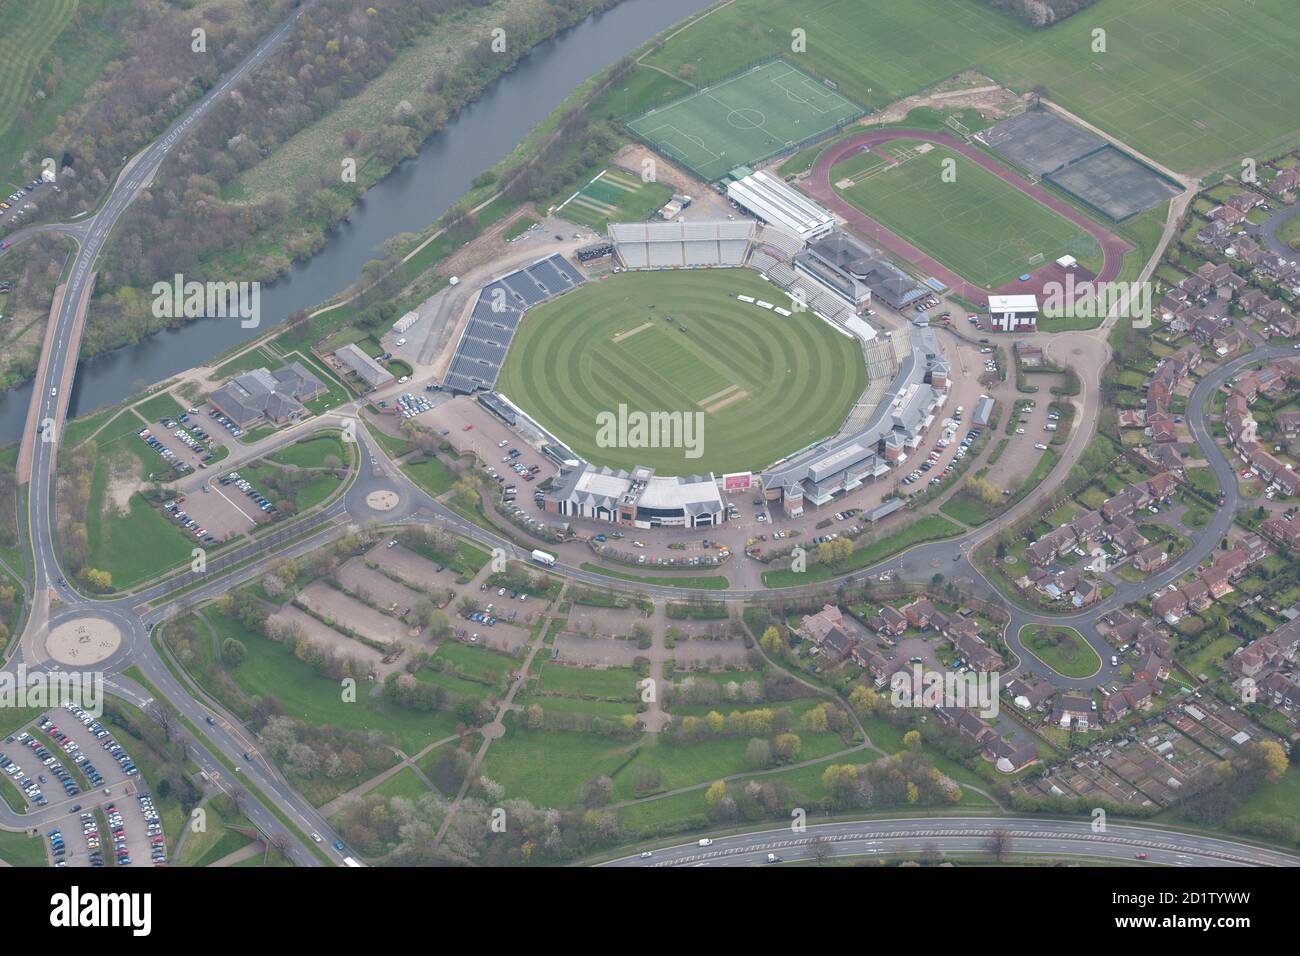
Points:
[[743, 120]]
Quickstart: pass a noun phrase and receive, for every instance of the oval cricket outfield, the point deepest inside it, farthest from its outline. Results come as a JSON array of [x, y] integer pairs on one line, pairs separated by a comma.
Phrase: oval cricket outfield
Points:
[[766, 384]]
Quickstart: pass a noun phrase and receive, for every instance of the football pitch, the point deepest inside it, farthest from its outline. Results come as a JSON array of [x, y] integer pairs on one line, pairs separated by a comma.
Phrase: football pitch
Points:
[[767, 384], [1196, 84], [979, 226], [744, 119]]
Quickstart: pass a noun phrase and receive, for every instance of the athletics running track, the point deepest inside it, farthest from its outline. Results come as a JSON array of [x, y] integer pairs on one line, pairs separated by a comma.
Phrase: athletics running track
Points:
[[819, 187]]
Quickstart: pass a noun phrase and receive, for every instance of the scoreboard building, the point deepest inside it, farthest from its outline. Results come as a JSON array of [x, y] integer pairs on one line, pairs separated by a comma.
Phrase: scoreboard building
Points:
[[1013, 313]]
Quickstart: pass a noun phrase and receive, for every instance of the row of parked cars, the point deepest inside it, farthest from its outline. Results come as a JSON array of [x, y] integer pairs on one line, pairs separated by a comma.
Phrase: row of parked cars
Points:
[[164, 452], [191, 436], [259, 499], [51, 762], [72, 750], [186, 522], [153, 828], [57, 847], [104, 737], [17, 196], [408, 405], [25, 783], [117, 830], [90, 830], [223, 421]]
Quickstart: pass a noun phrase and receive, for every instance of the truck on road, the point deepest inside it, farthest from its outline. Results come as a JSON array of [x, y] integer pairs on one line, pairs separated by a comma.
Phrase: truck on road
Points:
[[541, 557]]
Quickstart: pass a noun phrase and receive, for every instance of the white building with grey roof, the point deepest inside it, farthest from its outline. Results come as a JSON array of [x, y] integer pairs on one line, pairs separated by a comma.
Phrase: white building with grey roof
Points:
[[835, 467], [638, 499]]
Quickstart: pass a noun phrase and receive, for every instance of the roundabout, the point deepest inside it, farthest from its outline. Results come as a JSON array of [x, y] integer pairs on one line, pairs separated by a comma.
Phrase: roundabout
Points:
[[83, 641], [383, 500]]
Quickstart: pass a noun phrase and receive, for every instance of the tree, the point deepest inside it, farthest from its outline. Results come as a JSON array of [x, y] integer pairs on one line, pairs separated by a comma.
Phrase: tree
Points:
[[97, 580], [912, 741], [717, 790], [233, 652], [822, 849], [1275, 759], [863, 700], [161, 714], [771, 642], [786, 747], [758, 754], [983, 490], [998, 844]]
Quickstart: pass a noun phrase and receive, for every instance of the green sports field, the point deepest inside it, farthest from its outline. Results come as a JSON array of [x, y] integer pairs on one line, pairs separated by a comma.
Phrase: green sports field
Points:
[[1196, 84], [744, 119], [616, 195], [767, 384], [978, 225]]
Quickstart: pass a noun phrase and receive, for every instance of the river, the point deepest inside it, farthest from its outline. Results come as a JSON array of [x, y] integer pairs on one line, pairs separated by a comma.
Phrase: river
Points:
[[413, 195]]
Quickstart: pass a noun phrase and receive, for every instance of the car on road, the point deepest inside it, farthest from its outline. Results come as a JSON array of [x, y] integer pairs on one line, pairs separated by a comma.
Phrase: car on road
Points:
[[1139, 856], [705, 841], [316, 838]]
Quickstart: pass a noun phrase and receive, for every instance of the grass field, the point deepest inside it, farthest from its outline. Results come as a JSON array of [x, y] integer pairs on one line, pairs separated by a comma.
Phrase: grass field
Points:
[[976, 224], [1196, 87], [1061, 648], [272, 670], [616, 195], [744, 119], [799, 377], [30, 29]]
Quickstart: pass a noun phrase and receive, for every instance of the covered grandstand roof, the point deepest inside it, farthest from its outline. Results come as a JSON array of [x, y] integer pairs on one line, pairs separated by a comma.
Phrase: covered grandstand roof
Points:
[[897, 421], [773, 201], [662, 245], [500, 305], [859, 264]]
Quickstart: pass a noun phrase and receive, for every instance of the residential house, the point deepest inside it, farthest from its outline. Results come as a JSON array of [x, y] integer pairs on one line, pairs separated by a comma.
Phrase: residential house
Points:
[[1087, 527], [1139, 695], [918, 613], [1009, 757], [1072, 710], [1029, 695], [1114, 707], [1153, 669], [815, 627], [895, 623], [1280, 529], [1151, 558], [1169, 606], [1198, 594], [1244, 201], [1161, 487], [1287, 180], [1126, 537], [872, 661], [1289, 422]]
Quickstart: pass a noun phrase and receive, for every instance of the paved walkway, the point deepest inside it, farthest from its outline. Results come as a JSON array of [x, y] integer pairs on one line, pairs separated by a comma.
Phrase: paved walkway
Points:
[[497, 727], [359, 791]]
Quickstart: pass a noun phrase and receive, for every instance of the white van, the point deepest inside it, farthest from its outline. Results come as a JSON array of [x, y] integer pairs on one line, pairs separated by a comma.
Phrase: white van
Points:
[[706, 842]]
